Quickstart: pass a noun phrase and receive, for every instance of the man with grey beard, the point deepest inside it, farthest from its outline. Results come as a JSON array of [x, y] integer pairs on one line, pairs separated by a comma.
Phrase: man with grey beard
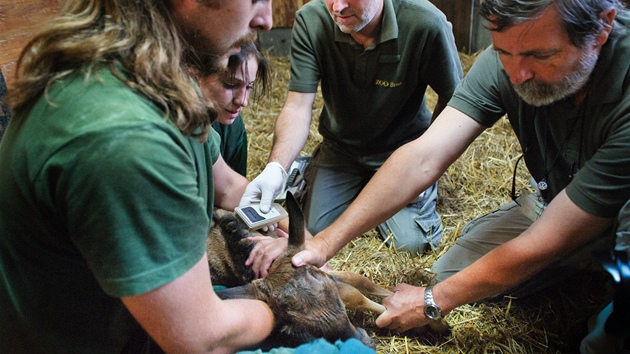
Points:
[[560, 72]]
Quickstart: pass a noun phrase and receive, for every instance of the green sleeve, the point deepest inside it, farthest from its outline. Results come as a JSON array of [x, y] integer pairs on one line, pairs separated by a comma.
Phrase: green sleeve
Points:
[[135, 194], [233, 144], [479, 94]]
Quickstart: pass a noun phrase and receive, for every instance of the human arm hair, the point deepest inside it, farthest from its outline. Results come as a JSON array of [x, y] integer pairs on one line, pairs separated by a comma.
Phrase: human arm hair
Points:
[[417, 164], [292, 127], [561, 229], [186, 316]]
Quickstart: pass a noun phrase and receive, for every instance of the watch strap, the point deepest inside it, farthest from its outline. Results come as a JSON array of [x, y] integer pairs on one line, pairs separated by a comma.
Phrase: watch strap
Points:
[[431, 309]]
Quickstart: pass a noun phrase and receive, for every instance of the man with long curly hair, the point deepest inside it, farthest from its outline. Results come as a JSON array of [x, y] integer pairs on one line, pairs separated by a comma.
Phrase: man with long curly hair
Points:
[[106, 182]]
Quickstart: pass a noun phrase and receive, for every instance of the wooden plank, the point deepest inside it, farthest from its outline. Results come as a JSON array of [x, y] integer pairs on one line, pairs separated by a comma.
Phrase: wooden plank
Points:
[[19, 20], [10, 49], [284, 12], [458, 12]]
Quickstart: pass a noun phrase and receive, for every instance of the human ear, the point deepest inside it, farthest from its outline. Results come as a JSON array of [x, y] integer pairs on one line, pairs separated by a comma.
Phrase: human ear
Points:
[[608, 18]]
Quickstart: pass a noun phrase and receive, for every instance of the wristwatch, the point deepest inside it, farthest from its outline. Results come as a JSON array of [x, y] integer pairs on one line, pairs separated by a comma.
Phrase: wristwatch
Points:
[[431, 309]]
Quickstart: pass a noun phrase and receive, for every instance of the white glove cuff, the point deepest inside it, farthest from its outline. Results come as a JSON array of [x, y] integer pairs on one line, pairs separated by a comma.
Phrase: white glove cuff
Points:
[[285, 175]]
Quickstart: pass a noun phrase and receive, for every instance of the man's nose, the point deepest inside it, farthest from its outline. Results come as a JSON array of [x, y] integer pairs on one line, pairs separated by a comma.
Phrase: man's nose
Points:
[[518, 70], [339, 5], [263, 21]]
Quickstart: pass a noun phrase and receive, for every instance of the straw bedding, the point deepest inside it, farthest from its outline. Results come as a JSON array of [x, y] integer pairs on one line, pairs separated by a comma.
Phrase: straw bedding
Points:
[[553, 321]]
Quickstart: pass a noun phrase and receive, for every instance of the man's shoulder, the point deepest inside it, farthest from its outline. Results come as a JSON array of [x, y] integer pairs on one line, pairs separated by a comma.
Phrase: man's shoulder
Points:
[[315, 7], [102, 93], [424, 6], [314, 21], [93, 108], [418, 14]]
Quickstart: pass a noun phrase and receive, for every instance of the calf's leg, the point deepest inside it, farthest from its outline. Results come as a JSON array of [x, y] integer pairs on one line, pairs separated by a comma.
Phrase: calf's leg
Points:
[[353, 299], [361, 283]]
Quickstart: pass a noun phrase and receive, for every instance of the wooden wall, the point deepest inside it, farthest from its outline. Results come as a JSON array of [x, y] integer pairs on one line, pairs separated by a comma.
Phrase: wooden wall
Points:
[[284, 12], [459, 12], [19, 19]]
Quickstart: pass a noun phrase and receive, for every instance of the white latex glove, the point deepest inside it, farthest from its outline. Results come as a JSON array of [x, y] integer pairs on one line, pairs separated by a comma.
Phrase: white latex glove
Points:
[[268, 229], [265, 187]]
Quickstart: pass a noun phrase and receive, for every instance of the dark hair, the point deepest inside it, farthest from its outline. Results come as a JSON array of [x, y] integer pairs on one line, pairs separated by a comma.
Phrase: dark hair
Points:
[[236, 61], [580, 18]]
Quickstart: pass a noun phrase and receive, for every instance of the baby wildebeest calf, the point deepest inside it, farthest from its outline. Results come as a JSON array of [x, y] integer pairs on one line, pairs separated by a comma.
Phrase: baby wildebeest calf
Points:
[[307, 302]]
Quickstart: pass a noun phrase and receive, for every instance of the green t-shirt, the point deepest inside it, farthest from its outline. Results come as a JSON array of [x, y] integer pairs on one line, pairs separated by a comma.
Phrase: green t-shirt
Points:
[[374, 98], [585, 149], [234, 144], [100, 198]]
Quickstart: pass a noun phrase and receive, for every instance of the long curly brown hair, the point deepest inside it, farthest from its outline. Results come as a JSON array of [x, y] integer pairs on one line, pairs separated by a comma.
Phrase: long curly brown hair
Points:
[[139, 36]]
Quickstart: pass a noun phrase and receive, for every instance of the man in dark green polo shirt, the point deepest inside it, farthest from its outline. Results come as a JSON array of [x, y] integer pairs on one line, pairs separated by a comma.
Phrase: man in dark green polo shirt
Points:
[[374, 60], [560, 70]]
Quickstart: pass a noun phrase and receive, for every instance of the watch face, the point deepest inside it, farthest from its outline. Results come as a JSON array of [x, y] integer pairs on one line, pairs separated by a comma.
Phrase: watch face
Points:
[[432, 312]]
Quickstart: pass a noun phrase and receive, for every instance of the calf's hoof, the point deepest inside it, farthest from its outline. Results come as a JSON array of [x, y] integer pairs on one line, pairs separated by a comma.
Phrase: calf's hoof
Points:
[[365, 338]]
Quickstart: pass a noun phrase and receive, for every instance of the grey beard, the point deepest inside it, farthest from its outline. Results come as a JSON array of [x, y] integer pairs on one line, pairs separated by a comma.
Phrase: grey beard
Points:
[[537, 93]]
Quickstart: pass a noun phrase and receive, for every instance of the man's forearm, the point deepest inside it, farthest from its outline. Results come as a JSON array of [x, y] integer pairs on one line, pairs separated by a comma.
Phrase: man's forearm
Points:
[[409, 171], [439, 107], [381, 198], [562, 229], [292, 128], [287, 144]]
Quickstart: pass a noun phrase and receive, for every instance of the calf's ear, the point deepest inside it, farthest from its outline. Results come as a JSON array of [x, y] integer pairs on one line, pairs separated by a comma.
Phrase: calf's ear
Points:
[[296, 221], [247, 291]]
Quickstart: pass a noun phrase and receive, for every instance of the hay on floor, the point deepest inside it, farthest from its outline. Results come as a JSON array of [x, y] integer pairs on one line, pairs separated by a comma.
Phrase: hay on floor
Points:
[[478, 182]]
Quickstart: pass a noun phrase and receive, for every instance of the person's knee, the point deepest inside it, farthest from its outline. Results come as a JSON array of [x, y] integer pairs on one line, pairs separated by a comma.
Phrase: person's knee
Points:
[[429, 237], [414, 247], [432, 230], [455, 259], [443, 268], [416, 228], [415, 236]]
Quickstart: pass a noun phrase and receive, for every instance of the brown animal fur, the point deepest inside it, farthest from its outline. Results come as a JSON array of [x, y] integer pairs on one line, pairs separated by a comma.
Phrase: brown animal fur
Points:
[[307, 302], [228, 249]]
